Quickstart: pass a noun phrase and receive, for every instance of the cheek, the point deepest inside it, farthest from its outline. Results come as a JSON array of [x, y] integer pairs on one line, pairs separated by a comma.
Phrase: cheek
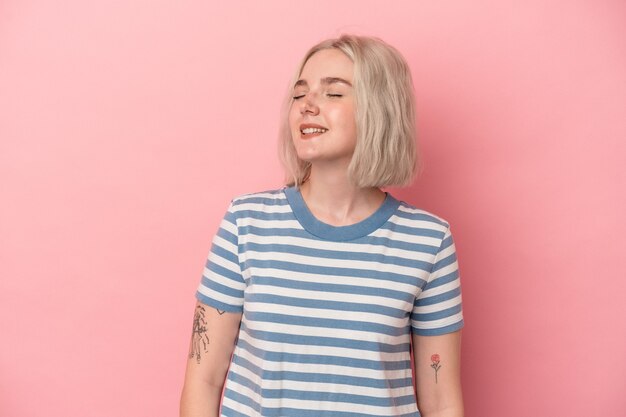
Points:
[[344, 118]]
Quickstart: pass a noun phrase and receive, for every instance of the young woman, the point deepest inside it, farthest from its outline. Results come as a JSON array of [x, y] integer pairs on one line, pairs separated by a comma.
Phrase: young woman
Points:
[[314, 294]]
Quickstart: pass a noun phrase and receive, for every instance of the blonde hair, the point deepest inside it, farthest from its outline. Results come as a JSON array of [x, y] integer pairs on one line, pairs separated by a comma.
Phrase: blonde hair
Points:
[[386, 146]]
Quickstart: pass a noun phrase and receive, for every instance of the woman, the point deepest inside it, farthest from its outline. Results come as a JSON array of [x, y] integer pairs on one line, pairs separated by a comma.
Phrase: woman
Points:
[[314, 294]]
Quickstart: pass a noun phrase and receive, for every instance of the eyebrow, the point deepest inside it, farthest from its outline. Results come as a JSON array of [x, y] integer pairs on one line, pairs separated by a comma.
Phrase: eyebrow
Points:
[[325, 80]]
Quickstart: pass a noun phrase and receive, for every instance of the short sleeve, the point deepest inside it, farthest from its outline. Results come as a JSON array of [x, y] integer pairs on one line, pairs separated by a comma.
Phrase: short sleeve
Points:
[[222, 284], [438, 308]]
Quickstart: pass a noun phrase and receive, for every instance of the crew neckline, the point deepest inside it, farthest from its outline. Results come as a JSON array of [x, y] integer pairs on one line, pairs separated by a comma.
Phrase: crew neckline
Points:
[[339, 233]]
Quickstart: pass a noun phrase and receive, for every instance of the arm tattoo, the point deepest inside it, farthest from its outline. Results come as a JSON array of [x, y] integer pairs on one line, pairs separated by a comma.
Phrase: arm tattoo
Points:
[[435, 364], [220, 311], [199, 337]]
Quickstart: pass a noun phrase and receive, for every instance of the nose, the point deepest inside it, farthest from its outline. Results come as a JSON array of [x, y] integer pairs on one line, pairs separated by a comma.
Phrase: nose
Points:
[[309, 105]]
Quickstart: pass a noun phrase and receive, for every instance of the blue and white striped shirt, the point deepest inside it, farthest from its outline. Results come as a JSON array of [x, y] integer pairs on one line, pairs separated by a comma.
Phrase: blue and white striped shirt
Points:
[[328, 311]]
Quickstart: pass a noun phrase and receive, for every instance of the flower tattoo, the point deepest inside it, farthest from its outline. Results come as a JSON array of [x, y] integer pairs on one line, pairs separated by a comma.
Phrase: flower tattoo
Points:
[[435, 364]]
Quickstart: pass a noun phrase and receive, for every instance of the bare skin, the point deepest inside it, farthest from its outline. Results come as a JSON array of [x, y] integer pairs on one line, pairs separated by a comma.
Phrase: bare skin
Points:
[[213, 336], [438, 374]]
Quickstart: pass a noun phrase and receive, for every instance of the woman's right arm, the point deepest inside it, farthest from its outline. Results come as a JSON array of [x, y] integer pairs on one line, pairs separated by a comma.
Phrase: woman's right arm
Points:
[[213, 337]]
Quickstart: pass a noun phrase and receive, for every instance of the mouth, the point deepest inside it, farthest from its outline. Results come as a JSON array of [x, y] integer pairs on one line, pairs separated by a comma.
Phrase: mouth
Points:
[[311, 132]]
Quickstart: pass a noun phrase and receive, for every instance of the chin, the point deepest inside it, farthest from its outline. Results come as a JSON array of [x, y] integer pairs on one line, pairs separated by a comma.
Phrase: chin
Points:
[[306, 158]]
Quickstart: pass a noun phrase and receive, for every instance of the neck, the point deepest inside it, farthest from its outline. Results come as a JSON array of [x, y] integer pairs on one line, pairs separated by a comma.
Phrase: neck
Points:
[[334, 200]]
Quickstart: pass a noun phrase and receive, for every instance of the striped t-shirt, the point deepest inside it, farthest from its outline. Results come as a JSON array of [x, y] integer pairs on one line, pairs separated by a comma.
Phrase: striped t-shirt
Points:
[[328, 310]]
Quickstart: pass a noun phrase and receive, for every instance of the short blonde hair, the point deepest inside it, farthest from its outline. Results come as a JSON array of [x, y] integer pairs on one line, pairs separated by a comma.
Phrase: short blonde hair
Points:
[[386, 147]]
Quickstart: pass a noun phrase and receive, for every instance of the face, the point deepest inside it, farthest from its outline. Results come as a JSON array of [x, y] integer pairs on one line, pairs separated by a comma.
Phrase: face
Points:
[[323, 101]]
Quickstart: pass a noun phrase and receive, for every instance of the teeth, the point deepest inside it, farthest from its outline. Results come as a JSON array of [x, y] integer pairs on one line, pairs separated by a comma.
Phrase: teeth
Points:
[[313, 130]]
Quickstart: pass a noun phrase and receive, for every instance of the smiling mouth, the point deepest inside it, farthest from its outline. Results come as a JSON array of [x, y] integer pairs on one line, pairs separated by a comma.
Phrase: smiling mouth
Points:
[[312, 132]]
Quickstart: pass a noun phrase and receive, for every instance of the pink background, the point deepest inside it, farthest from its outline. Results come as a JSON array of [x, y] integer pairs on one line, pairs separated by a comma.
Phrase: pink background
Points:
[[126, 127]]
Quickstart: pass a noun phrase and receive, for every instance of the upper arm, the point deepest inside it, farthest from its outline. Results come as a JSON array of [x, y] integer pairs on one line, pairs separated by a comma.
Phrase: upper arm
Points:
[[436, 322], [438, 378], [219, 305], [213, 336]]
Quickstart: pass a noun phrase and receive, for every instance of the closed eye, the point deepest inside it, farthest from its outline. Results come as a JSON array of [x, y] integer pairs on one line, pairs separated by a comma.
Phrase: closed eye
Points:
[[329, 95]]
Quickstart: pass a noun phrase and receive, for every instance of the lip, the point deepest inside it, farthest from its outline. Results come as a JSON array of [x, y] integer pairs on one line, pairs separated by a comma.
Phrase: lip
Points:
[[305, 125]]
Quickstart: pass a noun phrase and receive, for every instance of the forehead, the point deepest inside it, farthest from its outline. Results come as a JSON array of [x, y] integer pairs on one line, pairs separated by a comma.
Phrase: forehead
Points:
[[326, 64]]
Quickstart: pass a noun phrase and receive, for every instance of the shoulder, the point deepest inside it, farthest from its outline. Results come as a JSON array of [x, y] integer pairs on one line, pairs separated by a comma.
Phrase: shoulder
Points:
[[258, 200], [413, 216]]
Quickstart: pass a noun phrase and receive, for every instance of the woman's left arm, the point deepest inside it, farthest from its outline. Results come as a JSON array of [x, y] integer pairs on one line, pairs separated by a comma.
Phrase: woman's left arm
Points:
[[438, 374]]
